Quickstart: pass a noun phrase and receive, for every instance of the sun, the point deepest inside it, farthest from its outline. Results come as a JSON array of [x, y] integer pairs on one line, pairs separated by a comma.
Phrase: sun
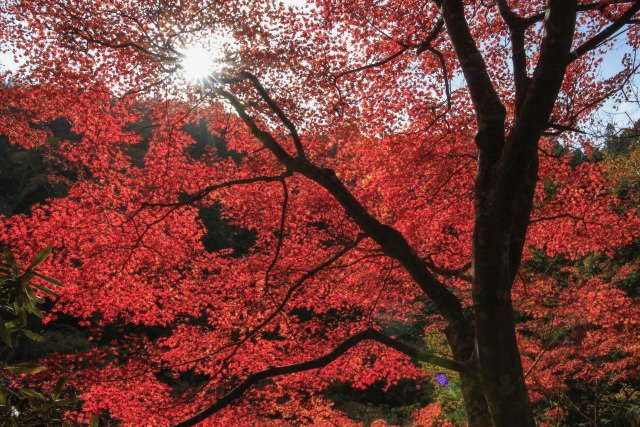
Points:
[[197, 63]]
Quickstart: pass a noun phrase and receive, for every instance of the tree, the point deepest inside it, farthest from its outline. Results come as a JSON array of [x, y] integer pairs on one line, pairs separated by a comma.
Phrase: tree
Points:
[[360, 160]]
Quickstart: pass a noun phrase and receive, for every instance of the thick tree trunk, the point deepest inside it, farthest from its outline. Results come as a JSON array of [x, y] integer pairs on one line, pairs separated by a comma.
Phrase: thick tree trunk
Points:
[[460, 338], [500, 367], [501, 218], [475, 403], [504, 385]]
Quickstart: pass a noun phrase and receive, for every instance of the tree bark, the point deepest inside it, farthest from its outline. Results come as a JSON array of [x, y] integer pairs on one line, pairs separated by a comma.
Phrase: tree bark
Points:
[[461, 340]]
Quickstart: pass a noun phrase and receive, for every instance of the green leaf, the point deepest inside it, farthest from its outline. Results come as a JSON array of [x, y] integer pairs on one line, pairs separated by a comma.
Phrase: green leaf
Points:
[[40, 256], [26, 277], [67, 401], [51, 280], [45, 290], [33, 393], [37, 312], [5, 334], [32, 335], [60, 385], [95, 420], [44, 407], [26, 368], [11, 260], [3, 395]]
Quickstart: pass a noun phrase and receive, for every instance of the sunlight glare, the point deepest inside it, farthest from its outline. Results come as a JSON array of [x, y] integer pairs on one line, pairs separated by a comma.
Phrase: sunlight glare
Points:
[[197, 64]]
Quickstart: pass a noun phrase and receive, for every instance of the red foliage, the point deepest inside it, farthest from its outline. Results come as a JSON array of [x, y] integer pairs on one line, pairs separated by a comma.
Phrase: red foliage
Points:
[[128, 236]]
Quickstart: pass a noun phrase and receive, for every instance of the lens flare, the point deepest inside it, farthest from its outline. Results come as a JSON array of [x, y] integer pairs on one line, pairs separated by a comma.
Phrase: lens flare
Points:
[[197, 63]]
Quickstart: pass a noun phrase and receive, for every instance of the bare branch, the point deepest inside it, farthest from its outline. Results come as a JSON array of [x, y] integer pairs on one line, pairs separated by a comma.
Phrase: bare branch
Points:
[[519, 160], [374, 64], [445, 74], [603, 35], [489, 109], [204, 192], [510, 17], [552, 217], [265, 137], [460, 273], [547, 79], [283, 218], [245, 75], [426, 45]]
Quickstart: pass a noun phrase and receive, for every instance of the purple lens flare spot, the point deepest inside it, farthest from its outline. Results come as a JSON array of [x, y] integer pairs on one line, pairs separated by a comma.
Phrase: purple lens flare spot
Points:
[[442, 379]]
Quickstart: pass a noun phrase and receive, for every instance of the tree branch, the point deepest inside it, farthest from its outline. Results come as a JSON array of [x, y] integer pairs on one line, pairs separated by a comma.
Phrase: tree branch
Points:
[[519, 161], [204, 192], [460, 273], [245, 75], [489, 109], [374, 64], [563, 128], [433, 34], [510, 17], [518, 52], [534, 19], [445, 74], [283, 218], [603, 35], [390, 240], [320, 362], [550, 70]]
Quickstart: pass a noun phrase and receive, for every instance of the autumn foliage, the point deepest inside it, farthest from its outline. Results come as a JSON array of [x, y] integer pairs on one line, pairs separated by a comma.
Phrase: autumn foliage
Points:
[[338, 186]]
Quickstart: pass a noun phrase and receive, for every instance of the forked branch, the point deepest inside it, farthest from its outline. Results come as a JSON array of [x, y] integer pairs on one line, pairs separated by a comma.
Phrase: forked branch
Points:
[[486, 102], [264, 94], [390, 240]]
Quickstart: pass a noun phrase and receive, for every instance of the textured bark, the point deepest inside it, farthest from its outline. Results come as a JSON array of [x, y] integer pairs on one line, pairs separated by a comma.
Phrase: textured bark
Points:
[[498, 357], [475, 403], [461, 340], [505, 187]]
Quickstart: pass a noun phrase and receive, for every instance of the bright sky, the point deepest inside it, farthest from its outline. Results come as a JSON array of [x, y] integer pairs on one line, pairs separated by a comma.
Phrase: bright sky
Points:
[[627, 112], [7, 62]]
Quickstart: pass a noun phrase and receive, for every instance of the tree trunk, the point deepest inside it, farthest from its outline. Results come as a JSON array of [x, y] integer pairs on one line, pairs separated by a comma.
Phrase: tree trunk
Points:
[[500, 366], [494, 250], [460, 338], [493, 388], [475, 403]]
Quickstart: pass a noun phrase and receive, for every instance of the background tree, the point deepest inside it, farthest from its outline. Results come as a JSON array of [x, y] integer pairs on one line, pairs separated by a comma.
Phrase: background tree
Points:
[[359, 158]]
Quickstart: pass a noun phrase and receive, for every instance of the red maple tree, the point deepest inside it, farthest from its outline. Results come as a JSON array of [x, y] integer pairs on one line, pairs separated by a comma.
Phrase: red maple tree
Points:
[[393, 160]]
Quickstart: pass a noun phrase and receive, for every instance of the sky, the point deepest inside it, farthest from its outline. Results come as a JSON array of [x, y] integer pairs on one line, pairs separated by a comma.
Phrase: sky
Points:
[[623, 113], [7, 62]]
